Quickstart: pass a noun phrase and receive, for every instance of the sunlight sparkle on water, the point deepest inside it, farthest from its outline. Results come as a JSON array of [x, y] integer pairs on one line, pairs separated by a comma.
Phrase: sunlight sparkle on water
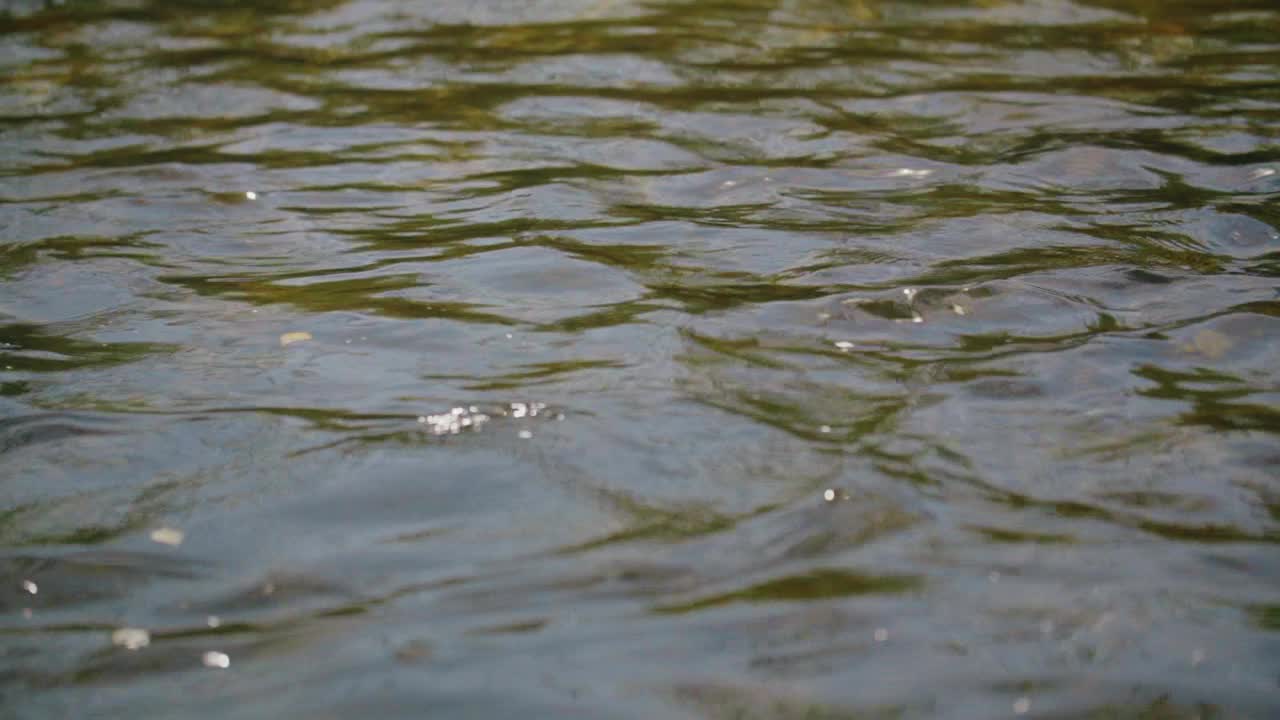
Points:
[[167, 536], [454, 421], [519, 409], [290, 338], [131, 638], [215, 659]]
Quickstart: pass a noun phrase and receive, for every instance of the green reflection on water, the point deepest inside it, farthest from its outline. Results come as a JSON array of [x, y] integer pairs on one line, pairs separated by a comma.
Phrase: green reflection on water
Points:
[[812, 586]]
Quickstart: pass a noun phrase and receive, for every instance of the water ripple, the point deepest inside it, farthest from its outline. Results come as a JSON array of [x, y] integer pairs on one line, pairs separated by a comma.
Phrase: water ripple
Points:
[[857, 359]]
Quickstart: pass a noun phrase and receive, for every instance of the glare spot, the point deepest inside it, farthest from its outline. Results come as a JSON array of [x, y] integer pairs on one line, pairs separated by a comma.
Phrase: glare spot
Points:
[[844, 345], [829, 495], [910, 293], [1022, 706], [30, 586], [824, 316], [454, 421], [559, 417], [290, 338], [824, 429], [909, 172], [525, 435], [167, 536], [957, 309], [729, 183], [1261, 173], [917, 318], [519, 410], [509, 336], [131, 638], [251, 195], [881, 635], [213, 621], [215, 659]]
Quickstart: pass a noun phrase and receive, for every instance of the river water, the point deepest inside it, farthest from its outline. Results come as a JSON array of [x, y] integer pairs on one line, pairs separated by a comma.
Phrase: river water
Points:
[[614, 359]]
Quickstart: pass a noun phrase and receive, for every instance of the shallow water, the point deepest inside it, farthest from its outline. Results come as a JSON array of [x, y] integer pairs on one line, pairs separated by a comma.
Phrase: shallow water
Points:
[[810, 359]]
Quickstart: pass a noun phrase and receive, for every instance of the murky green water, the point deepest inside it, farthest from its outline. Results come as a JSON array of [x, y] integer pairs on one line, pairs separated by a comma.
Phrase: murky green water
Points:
[[600, 358]]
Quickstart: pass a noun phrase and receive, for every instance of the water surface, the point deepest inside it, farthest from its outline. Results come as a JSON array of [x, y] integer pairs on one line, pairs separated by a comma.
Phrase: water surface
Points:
[[668, 359]]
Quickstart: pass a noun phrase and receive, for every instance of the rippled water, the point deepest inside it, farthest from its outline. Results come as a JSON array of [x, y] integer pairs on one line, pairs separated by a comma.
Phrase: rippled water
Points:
[[599, 358]]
